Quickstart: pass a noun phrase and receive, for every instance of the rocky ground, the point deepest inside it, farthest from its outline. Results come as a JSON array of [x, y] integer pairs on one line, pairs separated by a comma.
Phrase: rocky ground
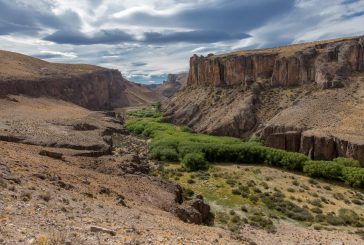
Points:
[[51, 194]]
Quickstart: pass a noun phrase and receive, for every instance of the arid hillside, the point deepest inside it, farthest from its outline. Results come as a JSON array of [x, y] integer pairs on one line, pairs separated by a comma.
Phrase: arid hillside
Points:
[[89, 86], [305, 97], [75, 175]]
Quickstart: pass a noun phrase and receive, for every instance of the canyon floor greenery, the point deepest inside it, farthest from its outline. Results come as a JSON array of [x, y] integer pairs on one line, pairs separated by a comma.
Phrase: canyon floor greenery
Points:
[[248, 183]]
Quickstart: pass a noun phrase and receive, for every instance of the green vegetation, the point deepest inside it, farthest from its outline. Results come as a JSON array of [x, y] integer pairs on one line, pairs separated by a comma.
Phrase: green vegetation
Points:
[[195, 161], [172, 143], [341, 169], [178, 144], [150, 111]]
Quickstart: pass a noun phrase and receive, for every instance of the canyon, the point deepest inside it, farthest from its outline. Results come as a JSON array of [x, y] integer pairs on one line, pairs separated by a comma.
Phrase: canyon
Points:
[[70, 170], [304, 97]]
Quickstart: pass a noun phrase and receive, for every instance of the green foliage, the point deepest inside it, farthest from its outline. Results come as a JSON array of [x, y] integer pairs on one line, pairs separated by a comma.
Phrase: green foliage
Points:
[[172, 143], [337, 169], [165, 154], [347, 162], [150, 111], [195, 161], [353, 176], [324, 169]]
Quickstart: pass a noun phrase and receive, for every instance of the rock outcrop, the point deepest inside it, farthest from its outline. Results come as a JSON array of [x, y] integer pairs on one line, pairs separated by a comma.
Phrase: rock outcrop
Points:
[[305, 97], [195, 211], [316, 145], [326, 63]]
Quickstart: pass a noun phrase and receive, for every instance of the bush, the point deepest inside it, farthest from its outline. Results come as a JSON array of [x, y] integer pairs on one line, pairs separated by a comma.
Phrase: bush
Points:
[[347, 162], [195, 161], [165, 154], [348, 216], [323, 169], [353, 176]]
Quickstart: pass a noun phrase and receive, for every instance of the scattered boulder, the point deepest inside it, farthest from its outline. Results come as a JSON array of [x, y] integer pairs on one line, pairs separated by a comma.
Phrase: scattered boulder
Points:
[[51, 154], [131, 164], [195, 211], [5, 174], [103, 230], [84, 126], [120, 199]]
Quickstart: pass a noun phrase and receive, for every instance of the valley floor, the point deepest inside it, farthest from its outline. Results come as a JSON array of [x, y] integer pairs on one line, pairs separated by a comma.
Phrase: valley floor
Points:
[[223, 185]]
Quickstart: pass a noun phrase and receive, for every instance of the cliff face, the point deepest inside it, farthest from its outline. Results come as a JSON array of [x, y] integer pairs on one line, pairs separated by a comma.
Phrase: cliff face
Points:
[[307, 97], [325, 63], [96, 90], [230, 70]]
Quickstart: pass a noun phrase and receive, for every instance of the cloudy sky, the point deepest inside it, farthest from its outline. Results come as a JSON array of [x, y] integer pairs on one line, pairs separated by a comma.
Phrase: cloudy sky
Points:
[[146, 39]]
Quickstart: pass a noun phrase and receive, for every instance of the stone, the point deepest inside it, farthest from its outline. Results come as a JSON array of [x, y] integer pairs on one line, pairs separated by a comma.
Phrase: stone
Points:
[[51, 154], [195, 211], [102, 230]]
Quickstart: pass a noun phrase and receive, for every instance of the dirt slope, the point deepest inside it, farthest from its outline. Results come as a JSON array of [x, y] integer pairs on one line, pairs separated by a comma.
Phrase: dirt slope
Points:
[[138, 94], [306, 97]]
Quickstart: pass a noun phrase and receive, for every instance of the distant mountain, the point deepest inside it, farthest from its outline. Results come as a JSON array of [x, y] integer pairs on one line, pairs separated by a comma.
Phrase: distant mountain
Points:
[[153, 86], [174, 83]]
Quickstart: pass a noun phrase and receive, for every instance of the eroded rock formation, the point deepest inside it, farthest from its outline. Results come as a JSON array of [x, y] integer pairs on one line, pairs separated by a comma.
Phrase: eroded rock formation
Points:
[[325, 63]]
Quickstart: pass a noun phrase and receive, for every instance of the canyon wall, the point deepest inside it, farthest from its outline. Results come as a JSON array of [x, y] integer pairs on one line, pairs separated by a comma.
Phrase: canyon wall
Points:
[[306, 98], [95, 90], [325, 63]]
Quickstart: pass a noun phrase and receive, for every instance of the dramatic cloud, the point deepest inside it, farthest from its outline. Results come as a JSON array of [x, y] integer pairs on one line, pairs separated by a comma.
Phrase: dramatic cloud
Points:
[[79, 38], [146, 39]]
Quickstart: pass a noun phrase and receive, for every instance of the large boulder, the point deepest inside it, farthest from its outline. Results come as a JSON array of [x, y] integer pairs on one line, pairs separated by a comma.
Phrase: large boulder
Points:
[[196, 212]]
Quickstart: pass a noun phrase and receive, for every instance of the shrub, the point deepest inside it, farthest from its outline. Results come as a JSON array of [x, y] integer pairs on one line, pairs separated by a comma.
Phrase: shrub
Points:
[[236, 191], [258, 220], [186, 129], [332, 219], [347, 162], [195, 161], [165, 154], [324, 169], [187, 193], [353, 176], [348, 216]]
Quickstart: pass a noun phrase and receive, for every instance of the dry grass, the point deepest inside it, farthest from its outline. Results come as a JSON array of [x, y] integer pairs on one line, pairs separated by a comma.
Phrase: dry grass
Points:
[[18, 66]]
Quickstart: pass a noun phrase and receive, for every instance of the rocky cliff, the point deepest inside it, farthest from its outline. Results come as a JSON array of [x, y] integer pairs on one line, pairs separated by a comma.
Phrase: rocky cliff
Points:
[[89, 86], [326, 63], [305, 97]]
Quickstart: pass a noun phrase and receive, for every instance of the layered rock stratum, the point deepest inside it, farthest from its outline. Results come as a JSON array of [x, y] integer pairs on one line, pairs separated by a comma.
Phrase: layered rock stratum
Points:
[[305, 97]]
